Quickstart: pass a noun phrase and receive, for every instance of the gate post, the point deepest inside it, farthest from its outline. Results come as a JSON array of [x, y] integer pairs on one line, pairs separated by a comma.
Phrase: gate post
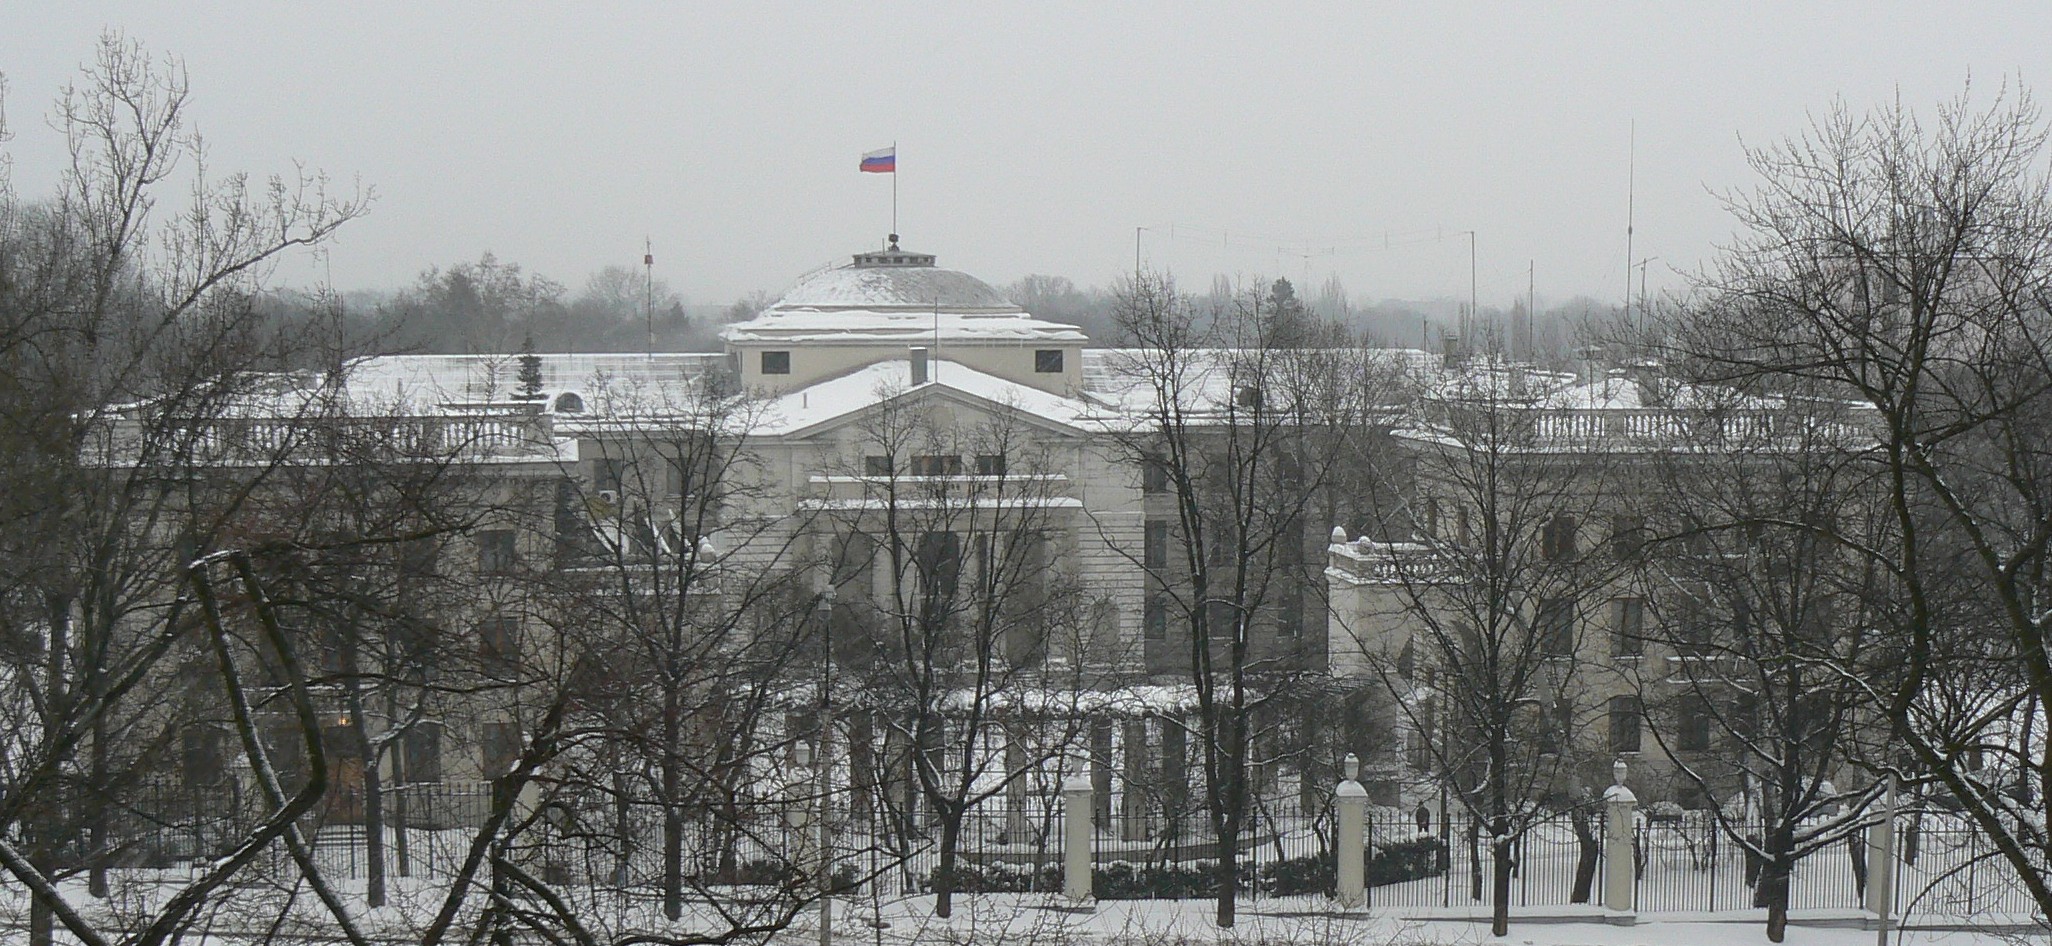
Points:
[[1076, 833], [1620, 874], [1352, 802]]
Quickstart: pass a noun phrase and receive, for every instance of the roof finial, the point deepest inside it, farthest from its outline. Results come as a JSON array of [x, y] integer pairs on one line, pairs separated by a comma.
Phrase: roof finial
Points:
[[894, 241]]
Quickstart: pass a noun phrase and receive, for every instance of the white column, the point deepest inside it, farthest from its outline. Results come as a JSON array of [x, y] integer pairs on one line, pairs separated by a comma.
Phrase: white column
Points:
[[1076, 832], [1620, 873], [1352, 801]]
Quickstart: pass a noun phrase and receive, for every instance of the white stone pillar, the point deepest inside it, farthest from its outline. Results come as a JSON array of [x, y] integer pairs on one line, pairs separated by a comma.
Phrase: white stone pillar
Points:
[[1076, 834], [1881, 862], [1620, 872], [1352, 802]]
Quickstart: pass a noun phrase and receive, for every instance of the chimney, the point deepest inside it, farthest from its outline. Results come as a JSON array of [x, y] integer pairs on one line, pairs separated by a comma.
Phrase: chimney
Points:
[[918, 366]]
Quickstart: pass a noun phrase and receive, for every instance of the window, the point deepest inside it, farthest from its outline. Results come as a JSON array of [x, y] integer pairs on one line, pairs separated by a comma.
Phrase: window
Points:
[[1154, 475], [1692, 733], [498, 638], [1624, 724], [990, 464], [1154, 551], [876, 466], [1222, 618], [1627, 536], [501, 748], [569, 403], [939, 562], [934, 464], [495, 551], [776, 362], [1432, 517], [423, 752], [607, 473], [1628, 627], [1048, 361], [203, 754], [1557, 542], [1555, 626], [1154, 624], [1248, 396]]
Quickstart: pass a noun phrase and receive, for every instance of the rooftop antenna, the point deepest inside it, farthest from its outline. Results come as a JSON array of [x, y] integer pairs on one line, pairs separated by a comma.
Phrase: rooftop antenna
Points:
[[1631, 211]]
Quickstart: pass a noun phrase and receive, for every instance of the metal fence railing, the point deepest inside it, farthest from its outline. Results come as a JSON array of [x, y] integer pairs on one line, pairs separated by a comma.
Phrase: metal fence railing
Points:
[[1010, 842]]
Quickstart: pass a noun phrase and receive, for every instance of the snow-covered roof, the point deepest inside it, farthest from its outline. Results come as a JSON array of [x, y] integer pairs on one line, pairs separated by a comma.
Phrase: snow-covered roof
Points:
[[881, 381], [895, 296], [864, 287], [798, 324], [434, 380]]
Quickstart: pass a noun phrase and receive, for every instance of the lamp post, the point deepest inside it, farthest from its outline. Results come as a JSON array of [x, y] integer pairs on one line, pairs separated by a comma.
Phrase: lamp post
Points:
[[823, 609]]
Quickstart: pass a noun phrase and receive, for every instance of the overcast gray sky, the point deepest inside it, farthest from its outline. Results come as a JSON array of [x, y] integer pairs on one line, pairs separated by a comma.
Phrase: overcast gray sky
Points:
[[1284, 139]]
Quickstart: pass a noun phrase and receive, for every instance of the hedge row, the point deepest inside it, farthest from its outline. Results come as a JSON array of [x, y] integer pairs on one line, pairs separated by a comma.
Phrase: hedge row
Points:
[[1126, 880]]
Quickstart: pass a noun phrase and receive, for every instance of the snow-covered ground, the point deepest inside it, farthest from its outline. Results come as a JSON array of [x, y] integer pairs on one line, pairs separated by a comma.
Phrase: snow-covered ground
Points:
[[1046, 920]]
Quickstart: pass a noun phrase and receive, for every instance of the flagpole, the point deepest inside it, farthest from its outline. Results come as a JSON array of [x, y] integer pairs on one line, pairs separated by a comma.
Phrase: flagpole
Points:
[[894, 187]]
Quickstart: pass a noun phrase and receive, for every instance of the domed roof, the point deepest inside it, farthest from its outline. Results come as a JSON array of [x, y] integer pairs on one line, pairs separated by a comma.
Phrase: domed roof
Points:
[[892, 279]]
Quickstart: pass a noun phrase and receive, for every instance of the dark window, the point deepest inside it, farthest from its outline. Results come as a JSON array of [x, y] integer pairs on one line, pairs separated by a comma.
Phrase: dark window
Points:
[[1627, 536], [419, 558], [1154, 550], [568, 403], [1222, 618], [1555, 624], [1628, 630], [1624, 724], [939, 561], [1558, 541], [1154, 475], [498, 638], [607, 473], [934, 464], [423, 750], [1155, 621], [203, 754], [1048, 361], [501, 748], [1693, 730], [495, 551], [776, 362], [876, 466], [1249, 396], [990, 464], [1696, 626]]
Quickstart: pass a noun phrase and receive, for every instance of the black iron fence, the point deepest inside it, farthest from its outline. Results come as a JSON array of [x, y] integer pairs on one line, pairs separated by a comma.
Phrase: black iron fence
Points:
[[1011, 842]]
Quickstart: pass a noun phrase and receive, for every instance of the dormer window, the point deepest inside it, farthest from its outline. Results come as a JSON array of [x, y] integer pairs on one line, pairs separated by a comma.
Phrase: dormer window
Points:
[[1048, 361], [776, 362]]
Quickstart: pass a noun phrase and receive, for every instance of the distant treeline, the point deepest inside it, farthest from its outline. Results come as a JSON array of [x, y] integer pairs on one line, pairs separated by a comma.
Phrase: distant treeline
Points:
[[492, 305]]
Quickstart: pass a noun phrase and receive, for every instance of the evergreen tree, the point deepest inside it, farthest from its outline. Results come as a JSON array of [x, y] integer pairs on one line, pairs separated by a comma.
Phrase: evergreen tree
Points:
[[530, 372]]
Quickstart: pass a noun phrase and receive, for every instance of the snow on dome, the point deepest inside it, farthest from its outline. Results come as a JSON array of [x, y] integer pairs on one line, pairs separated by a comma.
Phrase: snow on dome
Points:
[[876, 287]]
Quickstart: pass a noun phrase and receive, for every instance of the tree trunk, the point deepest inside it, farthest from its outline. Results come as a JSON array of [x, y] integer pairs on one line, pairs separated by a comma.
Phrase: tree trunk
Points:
[[673, 813], [944, 874], [1228, 876], [1499, 886], [1772, 891], [1588, 849], [373, 832]]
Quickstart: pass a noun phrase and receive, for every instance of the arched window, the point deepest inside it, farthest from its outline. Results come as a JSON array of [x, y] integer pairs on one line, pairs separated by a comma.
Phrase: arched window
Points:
[[569, 403]]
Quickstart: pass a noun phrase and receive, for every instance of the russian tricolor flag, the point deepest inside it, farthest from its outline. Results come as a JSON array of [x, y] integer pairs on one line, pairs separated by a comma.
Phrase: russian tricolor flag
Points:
[[881, 162]]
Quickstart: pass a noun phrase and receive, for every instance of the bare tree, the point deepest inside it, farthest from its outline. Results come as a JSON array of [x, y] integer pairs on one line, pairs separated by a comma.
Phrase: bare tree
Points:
[[1243, 415], [1746, 586], [1905, 266], [124, 339], [1490, 597], [960, 623]]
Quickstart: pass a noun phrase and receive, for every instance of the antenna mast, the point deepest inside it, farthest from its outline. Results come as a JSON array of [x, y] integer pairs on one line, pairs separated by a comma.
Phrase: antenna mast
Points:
[[648, 291], [1631, 211]]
